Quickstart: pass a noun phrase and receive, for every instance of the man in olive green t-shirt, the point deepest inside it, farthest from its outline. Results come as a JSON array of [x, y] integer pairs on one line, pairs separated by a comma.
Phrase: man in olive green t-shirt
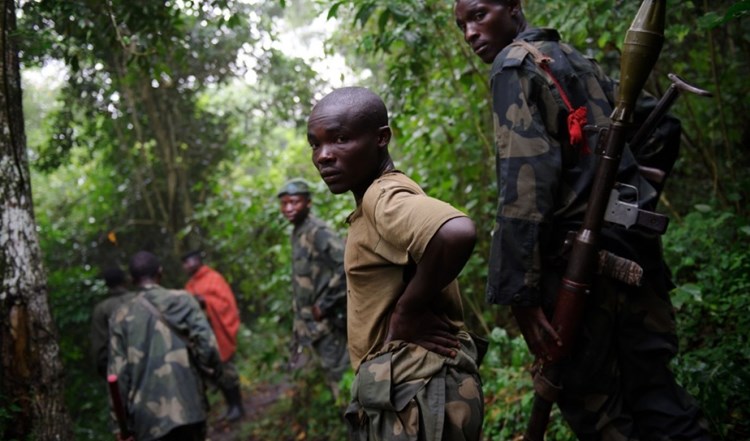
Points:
[[416, 364]]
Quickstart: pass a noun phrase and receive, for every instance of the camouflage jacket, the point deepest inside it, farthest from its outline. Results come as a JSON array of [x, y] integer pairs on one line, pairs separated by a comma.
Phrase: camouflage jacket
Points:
[[544, 182], [158, 377], [103, 310], [317, 278]]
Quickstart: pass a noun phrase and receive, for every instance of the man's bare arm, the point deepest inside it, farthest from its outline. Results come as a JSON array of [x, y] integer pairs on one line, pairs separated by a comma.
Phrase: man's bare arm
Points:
[[536, 330]]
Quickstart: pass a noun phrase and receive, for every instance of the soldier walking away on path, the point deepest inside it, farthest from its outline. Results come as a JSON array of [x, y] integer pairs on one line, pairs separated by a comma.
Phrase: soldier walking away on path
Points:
[[616, 383], [417, 366], [118, 295], [318, 284], [216, 297], [160, 346]]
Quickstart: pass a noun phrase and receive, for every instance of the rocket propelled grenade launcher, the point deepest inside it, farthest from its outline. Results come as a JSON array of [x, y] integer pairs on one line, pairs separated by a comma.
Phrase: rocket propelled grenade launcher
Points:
[[641, 49], [643, 43]]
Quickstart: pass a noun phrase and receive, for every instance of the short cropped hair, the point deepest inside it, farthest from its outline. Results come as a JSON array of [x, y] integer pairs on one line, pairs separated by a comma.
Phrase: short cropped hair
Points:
[[113, 276], [370, 108], [144, 264]]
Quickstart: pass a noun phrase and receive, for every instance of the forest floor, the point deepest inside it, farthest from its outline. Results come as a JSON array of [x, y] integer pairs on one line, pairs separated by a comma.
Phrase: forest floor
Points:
[[255, 402]]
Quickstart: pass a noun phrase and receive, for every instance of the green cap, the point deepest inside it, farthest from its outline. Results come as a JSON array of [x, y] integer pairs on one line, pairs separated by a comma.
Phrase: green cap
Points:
[[295, 186]]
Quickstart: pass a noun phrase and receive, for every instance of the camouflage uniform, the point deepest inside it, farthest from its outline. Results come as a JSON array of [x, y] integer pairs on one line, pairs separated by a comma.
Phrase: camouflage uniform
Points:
[[318, 278], [403, 391], [103, 310], [617, 383], [158, 375]]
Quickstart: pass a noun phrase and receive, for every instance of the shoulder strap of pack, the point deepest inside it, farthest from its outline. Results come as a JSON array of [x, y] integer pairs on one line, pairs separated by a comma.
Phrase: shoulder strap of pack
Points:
[[146, 303], [576, 117], [204, 370]]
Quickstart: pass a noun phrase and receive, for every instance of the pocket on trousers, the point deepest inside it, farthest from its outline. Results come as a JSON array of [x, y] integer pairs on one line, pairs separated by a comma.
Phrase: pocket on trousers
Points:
[[374, 383]]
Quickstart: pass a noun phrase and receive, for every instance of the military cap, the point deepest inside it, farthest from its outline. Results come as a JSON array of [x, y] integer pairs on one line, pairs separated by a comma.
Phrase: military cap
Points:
[[295, 186]]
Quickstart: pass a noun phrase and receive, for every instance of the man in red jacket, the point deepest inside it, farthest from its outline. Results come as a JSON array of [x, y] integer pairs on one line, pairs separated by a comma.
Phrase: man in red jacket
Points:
[[215, 296]]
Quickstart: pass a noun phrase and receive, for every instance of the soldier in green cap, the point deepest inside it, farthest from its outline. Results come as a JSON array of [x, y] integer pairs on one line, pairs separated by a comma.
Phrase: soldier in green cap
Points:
[[318, 284]]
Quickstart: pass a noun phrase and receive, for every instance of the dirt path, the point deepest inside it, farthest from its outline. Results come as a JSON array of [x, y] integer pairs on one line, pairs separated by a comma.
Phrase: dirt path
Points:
[[255, 402]]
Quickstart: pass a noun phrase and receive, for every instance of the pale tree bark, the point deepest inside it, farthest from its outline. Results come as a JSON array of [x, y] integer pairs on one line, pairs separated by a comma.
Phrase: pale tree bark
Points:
[[31, 373]]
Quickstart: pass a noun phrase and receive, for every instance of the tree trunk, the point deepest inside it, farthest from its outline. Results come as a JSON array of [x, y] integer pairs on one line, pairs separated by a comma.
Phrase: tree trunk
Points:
[[31, 376]]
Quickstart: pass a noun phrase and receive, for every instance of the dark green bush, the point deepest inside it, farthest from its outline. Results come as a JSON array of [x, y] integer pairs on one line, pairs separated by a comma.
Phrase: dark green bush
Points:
[[708, 253], [508, 391]]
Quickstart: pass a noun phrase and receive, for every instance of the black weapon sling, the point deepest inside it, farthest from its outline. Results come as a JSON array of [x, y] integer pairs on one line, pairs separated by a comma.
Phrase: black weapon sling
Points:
[[146, 303]]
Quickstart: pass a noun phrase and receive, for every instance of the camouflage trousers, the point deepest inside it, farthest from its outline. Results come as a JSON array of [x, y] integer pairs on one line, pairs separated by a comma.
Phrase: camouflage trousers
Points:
[[617, 384], [332, 354], [408, 393], [229, 378]]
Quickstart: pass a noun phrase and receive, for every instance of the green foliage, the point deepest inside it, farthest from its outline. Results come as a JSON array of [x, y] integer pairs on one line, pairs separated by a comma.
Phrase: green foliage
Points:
[[72, 299], [134, 74], [508, 391], [159, 138], [306, 411], [708, 253], [73, 289], [131, 142], [736, 11], [263, 349], [301, 406]]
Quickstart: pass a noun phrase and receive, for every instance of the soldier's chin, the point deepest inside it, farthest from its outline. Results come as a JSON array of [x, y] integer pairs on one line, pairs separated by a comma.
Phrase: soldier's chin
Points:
[[488, 54], [337, 188]]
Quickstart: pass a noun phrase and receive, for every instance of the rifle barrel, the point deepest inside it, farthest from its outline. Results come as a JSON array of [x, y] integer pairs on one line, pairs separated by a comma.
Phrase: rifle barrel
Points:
[[117, 405]]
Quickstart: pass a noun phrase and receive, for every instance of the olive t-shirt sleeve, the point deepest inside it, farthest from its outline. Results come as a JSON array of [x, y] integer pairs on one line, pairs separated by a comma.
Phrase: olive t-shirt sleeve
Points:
[[406, 219]]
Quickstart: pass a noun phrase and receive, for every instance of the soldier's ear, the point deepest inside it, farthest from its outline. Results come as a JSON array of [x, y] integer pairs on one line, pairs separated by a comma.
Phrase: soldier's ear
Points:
[[384, 136]]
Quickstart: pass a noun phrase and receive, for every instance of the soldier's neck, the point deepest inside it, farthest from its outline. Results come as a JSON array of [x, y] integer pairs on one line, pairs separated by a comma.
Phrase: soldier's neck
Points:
[[147, 282]]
